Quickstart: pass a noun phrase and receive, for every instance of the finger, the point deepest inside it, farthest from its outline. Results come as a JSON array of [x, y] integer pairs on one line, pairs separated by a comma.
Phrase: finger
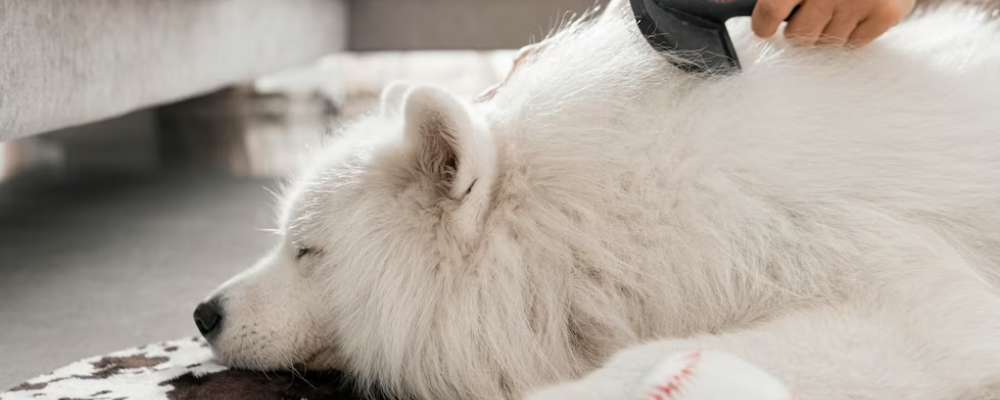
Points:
[[839, 29], [769, 14], [808, 22], [869, 29]]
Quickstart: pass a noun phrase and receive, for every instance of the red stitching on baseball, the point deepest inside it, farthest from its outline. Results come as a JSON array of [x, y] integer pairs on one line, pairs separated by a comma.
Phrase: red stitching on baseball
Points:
[[668, 389]]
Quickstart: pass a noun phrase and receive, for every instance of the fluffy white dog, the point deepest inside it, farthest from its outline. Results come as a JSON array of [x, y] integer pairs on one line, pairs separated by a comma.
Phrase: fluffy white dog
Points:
[[830, 216]]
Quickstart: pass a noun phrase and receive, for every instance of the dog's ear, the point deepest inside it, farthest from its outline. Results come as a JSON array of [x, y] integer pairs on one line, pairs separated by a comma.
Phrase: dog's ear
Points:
[[448, 141], [391, 100]]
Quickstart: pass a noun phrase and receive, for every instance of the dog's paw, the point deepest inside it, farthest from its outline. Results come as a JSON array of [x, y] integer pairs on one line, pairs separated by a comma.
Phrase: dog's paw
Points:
[[709, 375], [692, 375]]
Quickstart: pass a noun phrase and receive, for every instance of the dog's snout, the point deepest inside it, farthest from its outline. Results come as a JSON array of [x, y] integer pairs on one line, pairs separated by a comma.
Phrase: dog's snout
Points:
[[208, 317]]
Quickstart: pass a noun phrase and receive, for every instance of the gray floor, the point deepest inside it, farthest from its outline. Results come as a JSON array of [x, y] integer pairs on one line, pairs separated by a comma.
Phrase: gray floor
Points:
[[92, 264]]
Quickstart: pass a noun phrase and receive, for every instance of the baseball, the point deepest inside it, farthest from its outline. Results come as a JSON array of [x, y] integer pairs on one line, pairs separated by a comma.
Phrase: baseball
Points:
[[710, 375]]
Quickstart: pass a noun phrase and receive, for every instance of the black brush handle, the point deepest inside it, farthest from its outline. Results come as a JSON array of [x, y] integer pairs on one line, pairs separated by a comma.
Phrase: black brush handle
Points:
[[693, 31], [716, 10]]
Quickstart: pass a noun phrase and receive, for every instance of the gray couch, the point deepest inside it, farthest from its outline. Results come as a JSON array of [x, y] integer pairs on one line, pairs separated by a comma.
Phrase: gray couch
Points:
[[65, 63]]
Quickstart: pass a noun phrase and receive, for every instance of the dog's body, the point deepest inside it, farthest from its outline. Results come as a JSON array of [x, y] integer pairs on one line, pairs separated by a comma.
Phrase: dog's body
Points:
[[831, 216]]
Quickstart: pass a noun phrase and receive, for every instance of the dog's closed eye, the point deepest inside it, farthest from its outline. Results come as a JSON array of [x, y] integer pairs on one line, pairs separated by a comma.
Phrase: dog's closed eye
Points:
[[304, 251]]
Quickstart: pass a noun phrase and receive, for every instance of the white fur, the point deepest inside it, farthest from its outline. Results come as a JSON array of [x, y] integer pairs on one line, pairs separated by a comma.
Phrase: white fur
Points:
[[829, 215]]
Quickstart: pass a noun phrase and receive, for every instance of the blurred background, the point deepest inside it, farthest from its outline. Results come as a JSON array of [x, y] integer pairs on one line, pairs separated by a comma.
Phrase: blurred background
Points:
[[139, 139]]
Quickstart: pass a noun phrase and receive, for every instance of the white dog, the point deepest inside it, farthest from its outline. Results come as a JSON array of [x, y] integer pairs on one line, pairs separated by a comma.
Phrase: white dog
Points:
[[830, 216]]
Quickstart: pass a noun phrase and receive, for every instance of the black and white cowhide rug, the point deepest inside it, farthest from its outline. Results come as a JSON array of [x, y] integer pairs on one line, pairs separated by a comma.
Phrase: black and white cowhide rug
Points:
[[175, 370]]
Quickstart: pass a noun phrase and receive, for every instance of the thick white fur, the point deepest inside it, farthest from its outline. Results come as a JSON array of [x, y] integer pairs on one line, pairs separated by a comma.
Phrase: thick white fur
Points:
[[828, 215]]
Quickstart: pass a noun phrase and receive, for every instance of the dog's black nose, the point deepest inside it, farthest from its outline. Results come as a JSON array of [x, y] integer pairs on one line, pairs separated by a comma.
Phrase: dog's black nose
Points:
[[208, 317]]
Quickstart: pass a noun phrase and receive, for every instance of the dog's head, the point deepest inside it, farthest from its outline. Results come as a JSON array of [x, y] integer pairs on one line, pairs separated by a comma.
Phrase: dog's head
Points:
[[375, 238]]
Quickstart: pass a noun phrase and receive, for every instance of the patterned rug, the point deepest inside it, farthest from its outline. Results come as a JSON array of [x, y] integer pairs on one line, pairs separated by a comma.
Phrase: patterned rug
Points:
[[175, 370]]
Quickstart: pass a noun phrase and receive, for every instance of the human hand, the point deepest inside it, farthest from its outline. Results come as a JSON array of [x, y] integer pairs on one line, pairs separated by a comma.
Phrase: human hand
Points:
[[853, 23]]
